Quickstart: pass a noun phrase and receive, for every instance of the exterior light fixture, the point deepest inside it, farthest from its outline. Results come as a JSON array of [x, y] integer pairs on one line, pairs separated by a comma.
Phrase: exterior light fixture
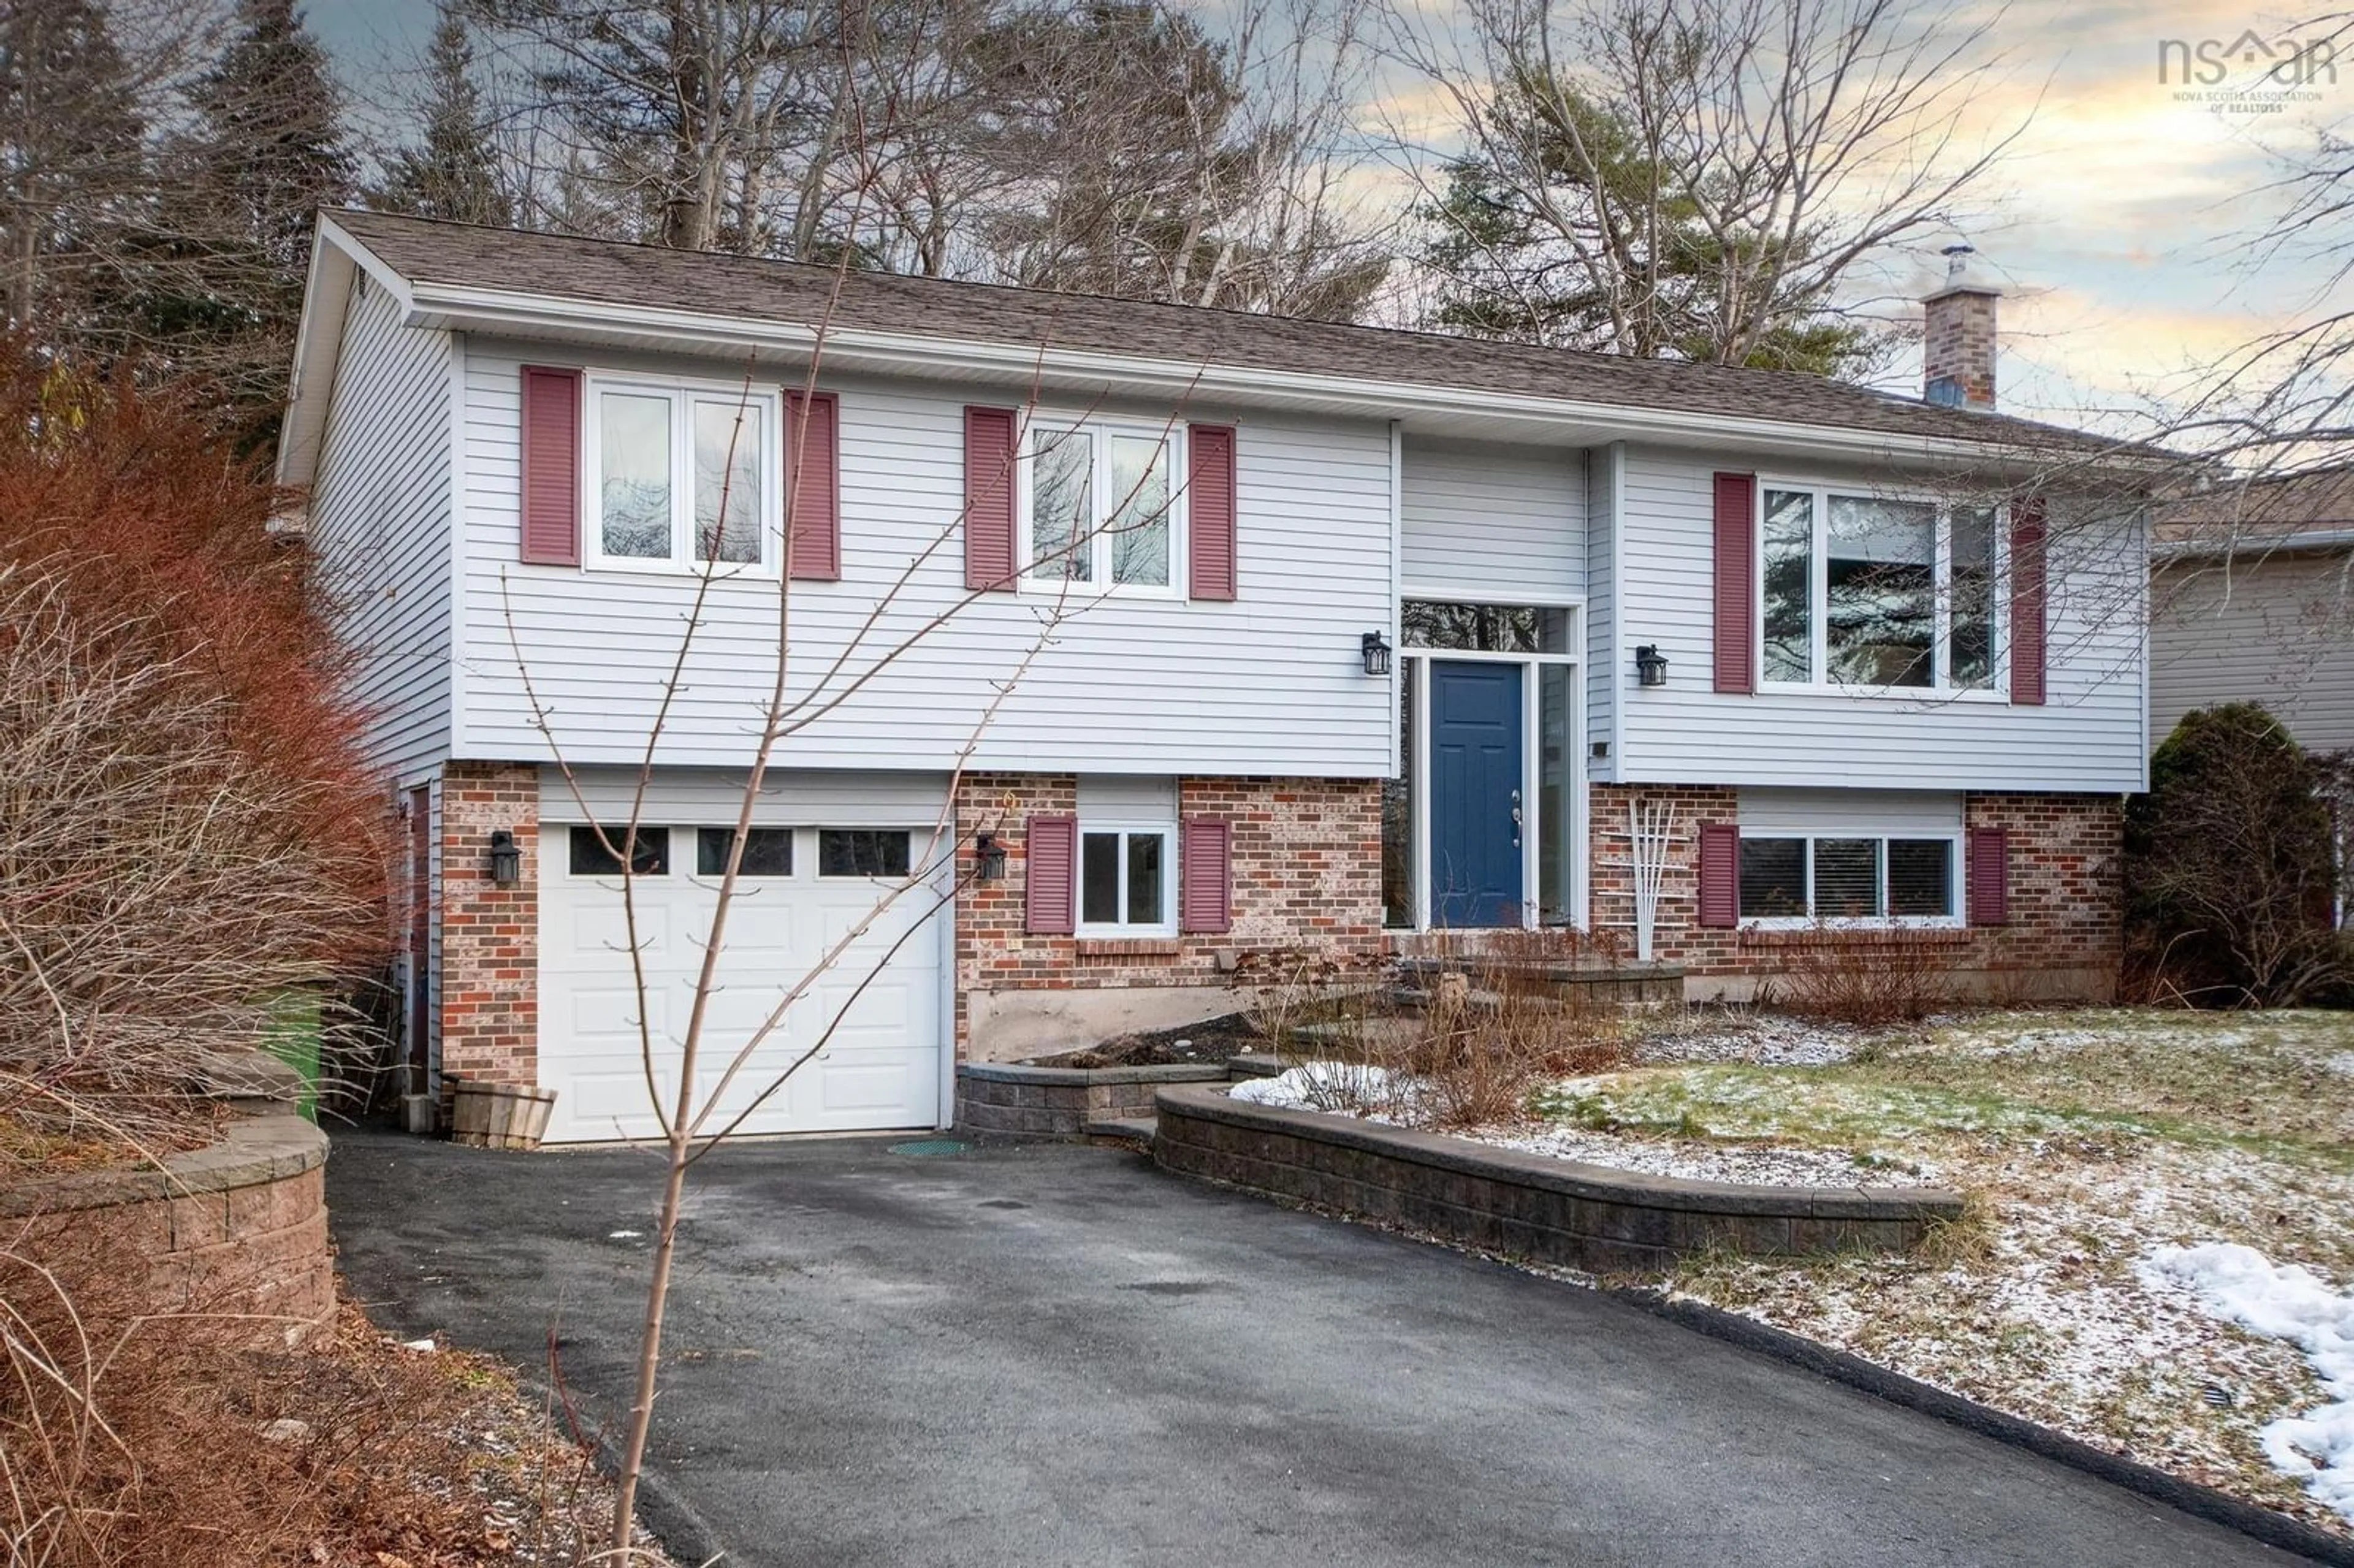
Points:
[[989, 857], [1375, 651], [507, 858], [1651, 665]]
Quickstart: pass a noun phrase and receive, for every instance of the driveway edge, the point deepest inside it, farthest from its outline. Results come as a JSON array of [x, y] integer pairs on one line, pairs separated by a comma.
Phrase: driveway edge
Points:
[[2275, 1529], [669, 1518]]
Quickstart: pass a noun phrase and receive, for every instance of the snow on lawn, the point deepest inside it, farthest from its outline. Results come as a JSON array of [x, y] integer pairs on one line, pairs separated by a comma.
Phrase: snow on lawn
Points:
[[2283, 1302], [1758, 1164], [2087, 1142]]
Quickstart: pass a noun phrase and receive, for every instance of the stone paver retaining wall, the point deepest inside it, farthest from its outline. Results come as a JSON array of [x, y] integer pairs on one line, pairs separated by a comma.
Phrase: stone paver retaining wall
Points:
[[1522, 1205], [237, 1227], [1061, 1102]]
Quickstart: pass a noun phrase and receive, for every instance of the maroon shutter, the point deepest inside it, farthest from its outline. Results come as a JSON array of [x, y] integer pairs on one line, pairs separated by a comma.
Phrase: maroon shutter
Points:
[[1736, 583], [1050, 876], [551, 466], [1720, 874], [1205, 880], [814, 485], [989, 532], [1989, 876], [1210, 501], [2027, 600]]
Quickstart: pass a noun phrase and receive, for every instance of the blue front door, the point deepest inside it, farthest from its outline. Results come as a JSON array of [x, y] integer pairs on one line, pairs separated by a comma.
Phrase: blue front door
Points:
[[1475, 794]]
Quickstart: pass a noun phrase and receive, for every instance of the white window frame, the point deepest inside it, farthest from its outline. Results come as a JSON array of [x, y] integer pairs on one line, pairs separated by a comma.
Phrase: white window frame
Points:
[[1169, 872], [1997, 687], [1955, 870], [683, 393], [1411, 653], [1098, 430]]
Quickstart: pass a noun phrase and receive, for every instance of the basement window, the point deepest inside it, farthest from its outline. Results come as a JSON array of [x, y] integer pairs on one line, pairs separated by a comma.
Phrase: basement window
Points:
[[1126, 881], [1791, 880]]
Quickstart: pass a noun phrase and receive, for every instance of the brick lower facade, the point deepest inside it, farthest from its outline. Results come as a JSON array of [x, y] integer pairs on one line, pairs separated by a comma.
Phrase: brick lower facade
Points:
[[1307, 867], [490, 935], [2065, 936]]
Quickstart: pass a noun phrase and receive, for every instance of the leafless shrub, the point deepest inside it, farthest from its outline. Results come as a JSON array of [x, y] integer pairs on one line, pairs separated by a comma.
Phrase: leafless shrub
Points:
[[1494, 1023], [1863, 978], [156, 899], [135, 1439], [1287, 993]]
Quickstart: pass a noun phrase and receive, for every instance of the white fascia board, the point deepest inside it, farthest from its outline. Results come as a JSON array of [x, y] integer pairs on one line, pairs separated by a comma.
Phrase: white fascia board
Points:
[[2258, 545], [499, 310], [319, 342]]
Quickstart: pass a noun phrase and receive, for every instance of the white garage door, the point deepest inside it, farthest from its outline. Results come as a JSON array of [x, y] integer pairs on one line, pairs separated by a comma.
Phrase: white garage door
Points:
[[804, 889]]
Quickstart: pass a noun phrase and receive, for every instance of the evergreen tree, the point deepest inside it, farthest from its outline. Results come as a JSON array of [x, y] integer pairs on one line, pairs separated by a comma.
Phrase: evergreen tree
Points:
[[1587, 242], [455, 171], [267, 152], [73, 167]]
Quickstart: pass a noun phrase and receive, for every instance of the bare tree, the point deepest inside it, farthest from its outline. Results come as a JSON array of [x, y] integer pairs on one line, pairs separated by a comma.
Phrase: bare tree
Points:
[[1143, 155], [84, 86], [1698, 179]]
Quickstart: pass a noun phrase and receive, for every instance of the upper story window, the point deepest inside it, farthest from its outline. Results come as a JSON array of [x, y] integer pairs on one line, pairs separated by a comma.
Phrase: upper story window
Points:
[[1863, 590], [680, 476], [1098, 507]]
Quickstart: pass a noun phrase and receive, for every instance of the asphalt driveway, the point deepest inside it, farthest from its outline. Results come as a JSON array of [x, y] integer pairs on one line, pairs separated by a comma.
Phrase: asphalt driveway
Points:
[[1051, 1355]]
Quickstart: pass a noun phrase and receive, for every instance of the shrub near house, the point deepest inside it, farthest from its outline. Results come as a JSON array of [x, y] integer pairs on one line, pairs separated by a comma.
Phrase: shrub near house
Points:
[[2231, 870]]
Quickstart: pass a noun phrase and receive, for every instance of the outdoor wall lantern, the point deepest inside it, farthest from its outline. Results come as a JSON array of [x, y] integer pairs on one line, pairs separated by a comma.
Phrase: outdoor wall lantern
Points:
[[1375, 648], [1651, 665], [507, 858], [989, 856]]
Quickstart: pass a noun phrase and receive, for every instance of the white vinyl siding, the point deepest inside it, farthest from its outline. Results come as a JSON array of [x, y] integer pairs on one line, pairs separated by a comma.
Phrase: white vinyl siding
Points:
[[1493, 524], [789, 797], [1269, 684], [2278, 632], [2087, 736], [1877, 813], [379, 526]]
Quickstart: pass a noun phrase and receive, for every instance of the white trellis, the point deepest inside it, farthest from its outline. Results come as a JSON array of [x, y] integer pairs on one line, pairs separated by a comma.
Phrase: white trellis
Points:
[[1650, 833]]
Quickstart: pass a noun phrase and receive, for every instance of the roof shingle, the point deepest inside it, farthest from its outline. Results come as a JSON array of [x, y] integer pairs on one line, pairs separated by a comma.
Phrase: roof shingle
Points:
[[617, 272]]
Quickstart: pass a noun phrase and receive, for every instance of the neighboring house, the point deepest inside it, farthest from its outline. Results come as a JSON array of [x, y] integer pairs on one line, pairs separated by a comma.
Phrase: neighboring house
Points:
[[2252, 600], [1899, 690]]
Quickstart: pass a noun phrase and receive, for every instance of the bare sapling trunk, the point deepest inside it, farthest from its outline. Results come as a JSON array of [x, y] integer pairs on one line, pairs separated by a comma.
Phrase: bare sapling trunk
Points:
[[693, 1118]]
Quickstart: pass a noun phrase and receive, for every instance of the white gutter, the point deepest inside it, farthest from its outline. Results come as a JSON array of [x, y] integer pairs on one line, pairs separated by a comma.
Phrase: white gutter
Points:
[[457, 305], [2258, 545]]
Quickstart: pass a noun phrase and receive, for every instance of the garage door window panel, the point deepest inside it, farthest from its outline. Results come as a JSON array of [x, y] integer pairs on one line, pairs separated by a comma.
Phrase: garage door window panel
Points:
[[587, 854], [767, 851], [862, 852]]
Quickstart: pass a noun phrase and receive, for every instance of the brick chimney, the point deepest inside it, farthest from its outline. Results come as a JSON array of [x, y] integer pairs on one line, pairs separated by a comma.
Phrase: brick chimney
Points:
[[1957, 336]]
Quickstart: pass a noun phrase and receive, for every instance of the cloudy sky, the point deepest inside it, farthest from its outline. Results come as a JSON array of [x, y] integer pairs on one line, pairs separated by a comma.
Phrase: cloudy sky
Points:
[[2122, 230]]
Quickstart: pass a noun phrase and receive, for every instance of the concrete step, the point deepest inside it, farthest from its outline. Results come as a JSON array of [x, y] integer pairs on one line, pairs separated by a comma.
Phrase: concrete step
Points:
[[1126, 1129]]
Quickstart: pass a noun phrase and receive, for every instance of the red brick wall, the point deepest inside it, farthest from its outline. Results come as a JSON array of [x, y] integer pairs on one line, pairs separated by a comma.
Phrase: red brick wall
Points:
[[1958, 341], [1306, 872], [2066, 892], [490, 935]]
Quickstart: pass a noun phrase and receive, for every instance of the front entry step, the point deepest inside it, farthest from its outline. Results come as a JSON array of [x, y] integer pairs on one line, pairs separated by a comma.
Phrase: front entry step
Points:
[[1126, 1129]]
